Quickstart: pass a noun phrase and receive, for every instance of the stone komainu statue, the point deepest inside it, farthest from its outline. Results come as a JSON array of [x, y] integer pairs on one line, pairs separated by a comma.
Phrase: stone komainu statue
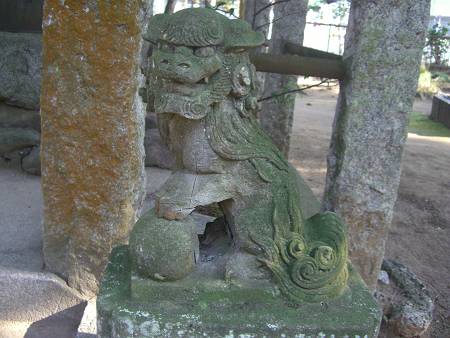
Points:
[[202, 87]]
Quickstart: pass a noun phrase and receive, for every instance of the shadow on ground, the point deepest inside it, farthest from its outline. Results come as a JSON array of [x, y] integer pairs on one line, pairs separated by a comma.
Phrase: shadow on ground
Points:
[[63, 324]]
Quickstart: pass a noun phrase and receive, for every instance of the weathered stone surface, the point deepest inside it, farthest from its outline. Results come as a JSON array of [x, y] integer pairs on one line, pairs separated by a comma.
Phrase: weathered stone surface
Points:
[[150, 119], [156, 152], [92, 133], [202, 87], [163, 249], [20, 136], [407, 304], [15, 117], [204, 305], [155, 179], [64, 323], [12, 139], [31, 163], [383, 50], [31, 296], [277, 114], [20, 69]]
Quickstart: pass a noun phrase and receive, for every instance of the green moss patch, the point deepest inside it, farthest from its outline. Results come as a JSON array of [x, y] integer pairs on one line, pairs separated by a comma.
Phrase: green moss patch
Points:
[[202, 307], [421, 124]]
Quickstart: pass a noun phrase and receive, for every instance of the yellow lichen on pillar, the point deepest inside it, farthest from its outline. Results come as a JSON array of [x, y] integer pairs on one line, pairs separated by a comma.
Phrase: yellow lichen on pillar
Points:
[[92, 133]]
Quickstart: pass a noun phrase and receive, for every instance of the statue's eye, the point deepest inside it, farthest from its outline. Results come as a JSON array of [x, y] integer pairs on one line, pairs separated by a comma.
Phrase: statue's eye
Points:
[[204, 51]]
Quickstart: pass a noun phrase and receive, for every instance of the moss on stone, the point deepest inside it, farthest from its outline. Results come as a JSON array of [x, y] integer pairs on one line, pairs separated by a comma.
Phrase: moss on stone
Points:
[[218, 309]]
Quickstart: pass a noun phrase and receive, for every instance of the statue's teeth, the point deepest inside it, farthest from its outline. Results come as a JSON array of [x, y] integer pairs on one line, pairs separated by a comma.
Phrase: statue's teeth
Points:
[[206, 79]]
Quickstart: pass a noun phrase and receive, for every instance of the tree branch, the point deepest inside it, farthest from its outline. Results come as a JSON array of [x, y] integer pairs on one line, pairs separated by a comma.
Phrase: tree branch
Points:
[[296, 90], [259, 11], [325, 24], [226, 12], [277, 19]]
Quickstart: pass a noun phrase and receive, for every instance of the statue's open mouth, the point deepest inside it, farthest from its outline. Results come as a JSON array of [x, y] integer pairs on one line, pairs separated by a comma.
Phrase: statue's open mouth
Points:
[[183, 88]]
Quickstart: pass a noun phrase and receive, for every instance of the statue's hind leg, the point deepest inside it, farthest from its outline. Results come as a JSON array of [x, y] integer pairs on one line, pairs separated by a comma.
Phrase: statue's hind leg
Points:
[[245, 217]]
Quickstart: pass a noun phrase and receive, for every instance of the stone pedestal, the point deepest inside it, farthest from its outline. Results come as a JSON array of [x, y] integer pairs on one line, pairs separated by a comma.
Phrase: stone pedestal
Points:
[[204, 305]]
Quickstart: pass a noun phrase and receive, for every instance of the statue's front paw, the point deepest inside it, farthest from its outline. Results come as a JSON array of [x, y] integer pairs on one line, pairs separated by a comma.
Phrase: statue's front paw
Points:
[[171, 211], [163, 250]]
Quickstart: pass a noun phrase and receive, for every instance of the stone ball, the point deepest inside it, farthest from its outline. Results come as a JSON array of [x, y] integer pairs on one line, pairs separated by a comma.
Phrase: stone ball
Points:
[[163, 250]]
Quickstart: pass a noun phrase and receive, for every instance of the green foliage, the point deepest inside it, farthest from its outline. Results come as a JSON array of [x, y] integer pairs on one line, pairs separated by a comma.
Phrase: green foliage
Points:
[[316, 5], [426, 87], [420, 124], [341, 10], [441, 77], [437, 43], [431, 82], [226, 7], [225, 3]]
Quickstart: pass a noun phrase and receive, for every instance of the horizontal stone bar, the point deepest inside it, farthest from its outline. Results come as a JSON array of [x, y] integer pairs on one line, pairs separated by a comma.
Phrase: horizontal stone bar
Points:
[[296, 49], [298, 65]]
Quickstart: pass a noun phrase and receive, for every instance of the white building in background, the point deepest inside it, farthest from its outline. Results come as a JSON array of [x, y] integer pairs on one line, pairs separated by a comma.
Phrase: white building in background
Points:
[[325, 30]]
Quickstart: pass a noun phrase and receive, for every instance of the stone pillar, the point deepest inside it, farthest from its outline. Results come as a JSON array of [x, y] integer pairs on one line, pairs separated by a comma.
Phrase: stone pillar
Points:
[[92, 133], [383, 50], [276, 117], [257, 14]]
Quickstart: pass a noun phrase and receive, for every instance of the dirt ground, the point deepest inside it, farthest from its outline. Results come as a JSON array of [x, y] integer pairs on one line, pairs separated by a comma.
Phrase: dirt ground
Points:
[[419, 236]]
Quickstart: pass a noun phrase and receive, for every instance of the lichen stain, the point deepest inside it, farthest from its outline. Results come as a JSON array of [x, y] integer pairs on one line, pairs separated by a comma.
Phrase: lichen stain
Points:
[[91, 153]]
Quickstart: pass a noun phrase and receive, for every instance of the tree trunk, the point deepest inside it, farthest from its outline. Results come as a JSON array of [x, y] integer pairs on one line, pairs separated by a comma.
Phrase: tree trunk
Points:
[[277, 114], [256, 13], [383, 50], [170, 6]]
